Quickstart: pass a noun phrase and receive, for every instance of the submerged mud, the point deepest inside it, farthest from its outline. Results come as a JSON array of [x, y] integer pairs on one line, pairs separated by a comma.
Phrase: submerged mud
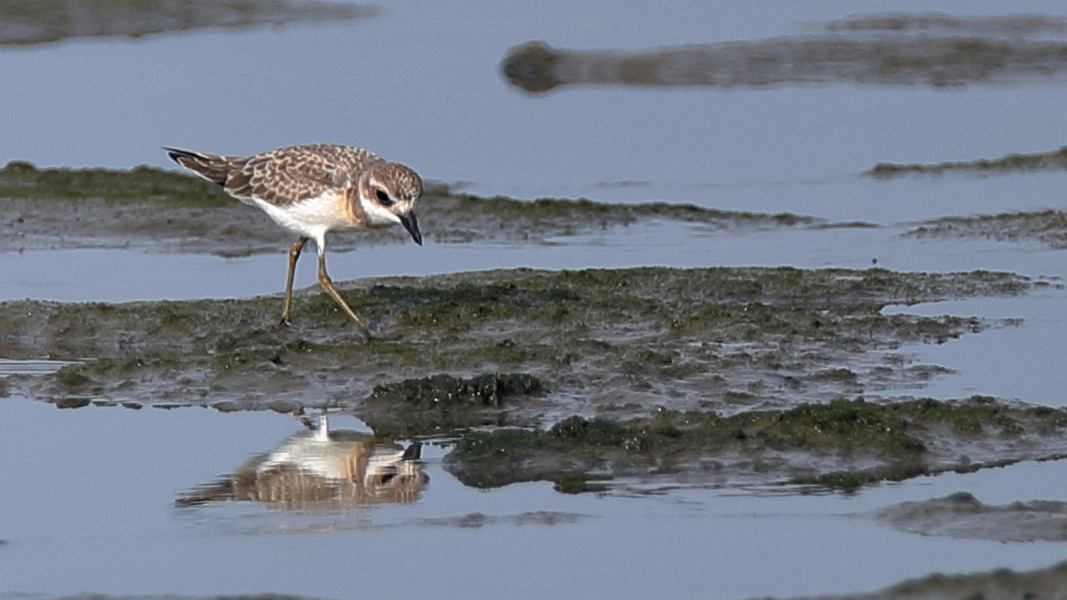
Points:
[[999, 584], [924, 60], [1048, 227], [1010, 163], [164, 211], [962, 516], [842, 444], [24, 22]]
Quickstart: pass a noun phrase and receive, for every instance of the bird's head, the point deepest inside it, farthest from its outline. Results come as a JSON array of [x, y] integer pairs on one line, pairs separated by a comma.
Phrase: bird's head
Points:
[[387, 194]]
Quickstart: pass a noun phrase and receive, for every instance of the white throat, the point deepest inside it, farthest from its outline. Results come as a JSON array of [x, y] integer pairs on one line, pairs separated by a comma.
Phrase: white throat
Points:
[[377, 215]]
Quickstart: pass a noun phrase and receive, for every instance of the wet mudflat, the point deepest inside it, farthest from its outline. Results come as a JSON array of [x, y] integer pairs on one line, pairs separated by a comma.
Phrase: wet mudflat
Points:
[[1048, 227], [905, 49], [643, 381], [162, 211], [24, 23], [527, 348], [1012, 163], [617, 341]]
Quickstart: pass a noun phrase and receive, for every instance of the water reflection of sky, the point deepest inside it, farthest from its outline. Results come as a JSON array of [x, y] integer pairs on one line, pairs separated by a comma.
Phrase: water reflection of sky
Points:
[[111, 525], [421, 85]]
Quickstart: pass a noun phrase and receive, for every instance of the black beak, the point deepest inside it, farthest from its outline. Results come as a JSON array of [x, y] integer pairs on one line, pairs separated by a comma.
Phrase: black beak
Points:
[[412, 225]]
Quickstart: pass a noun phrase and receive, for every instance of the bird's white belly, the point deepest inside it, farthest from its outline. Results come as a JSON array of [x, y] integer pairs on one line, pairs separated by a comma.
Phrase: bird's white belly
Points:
[[312, 217]]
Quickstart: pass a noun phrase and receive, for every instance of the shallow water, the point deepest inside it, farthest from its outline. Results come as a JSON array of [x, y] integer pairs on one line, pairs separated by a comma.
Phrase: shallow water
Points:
[[94, 487], [1023, 360], [113, 276], [450, 112]]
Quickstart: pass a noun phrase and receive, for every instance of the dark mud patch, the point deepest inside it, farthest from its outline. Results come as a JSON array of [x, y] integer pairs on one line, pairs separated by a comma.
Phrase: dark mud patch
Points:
[[98, 596], [923, 60], [443, 403], [617, 343], [938, 23], [478, 520], [1048, 227], [1011, 163], [164, 211], [962, 516], [505, 218], [999, 584], [446, 391], [25, 22], [842, 444]]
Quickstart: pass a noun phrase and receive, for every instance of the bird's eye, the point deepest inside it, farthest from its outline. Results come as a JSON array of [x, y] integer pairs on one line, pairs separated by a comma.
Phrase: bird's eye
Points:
[[383, 197]]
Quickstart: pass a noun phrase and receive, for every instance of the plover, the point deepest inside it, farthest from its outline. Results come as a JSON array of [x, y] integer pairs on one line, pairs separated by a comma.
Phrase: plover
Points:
[[314, 189], [321, 468]]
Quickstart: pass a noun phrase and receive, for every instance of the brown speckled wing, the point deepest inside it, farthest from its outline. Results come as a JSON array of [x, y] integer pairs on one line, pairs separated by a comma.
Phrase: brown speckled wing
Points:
[[287, 175]]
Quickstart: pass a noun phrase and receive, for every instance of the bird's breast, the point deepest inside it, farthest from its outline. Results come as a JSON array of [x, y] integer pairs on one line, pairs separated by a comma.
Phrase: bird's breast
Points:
[[324, 212]]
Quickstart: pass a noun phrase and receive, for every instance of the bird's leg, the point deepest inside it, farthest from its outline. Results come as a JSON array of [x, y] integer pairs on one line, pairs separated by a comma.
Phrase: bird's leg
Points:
[[327, 284], [294, 254], [303, 418]]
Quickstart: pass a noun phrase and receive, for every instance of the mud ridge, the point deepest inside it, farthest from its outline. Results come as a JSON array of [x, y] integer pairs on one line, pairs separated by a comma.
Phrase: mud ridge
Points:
[[843, 445], [163, 211], [998, 584], [615, 342], [26, 22], [1047, 227], [929, 61], [1055, 160], [944, 23]]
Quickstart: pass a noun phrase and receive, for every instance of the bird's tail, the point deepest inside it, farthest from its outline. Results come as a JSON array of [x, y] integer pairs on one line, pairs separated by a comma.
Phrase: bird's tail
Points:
[[219, 490], [214, 168]]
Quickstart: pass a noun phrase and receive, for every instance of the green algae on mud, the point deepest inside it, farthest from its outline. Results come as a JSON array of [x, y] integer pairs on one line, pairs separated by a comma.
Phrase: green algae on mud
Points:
[[102, 208], [489, 390], [842, 444], [617, 343], [1055, 160], [546, 217], [26, 22], [934, 61], [1048, 227], [24, 181], [143, 207], [443, 403]]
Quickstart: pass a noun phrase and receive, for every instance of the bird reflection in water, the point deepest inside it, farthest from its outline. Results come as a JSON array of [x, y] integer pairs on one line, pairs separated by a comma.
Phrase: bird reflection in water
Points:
[[320, 469]]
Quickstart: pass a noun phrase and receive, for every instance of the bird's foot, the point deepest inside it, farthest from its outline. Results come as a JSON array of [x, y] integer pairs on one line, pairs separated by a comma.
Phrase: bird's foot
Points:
[[392, 336], [376, 336]]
